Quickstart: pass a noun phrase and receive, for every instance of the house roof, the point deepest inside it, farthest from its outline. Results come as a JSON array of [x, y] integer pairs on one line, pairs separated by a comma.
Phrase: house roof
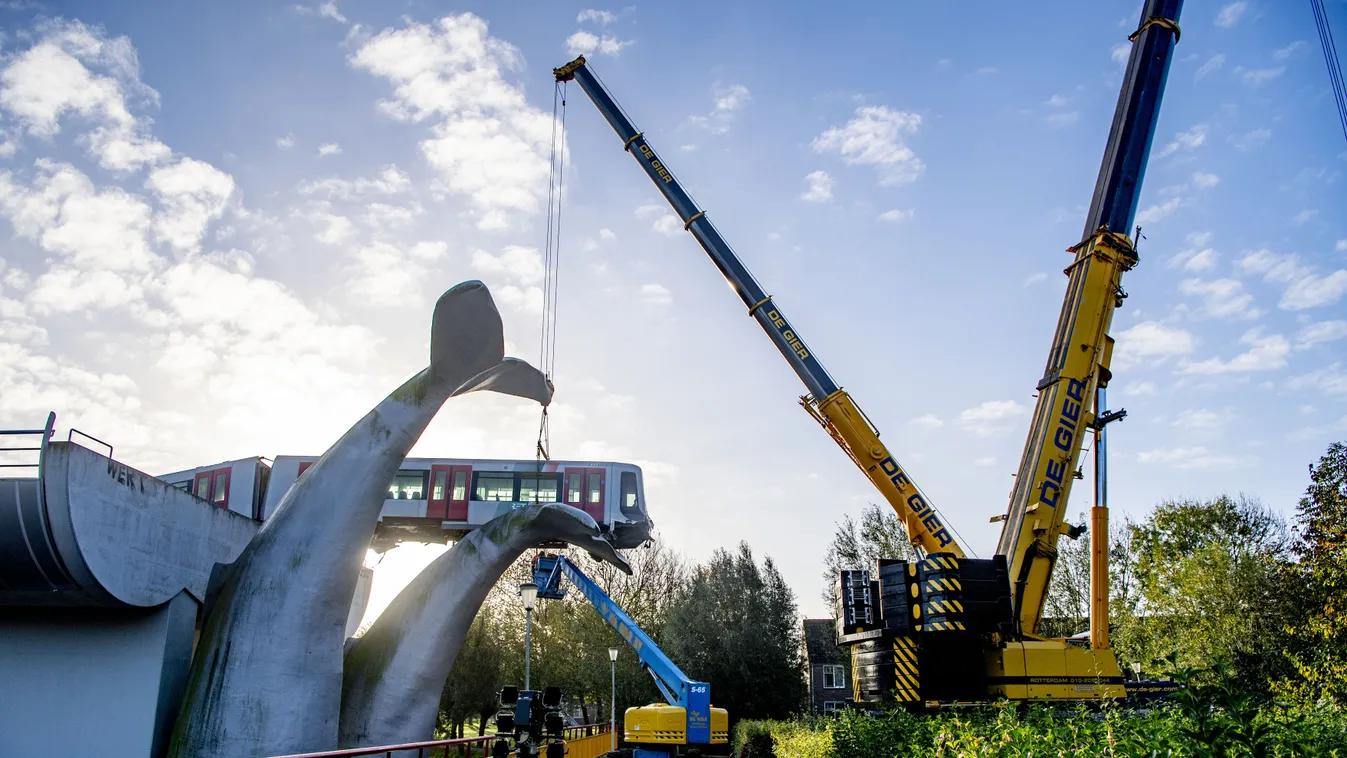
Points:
[[820, 642]]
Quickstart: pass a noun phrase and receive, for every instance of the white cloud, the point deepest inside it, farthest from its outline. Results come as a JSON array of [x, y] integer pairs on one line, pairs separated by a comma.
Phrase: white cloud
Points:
[[1265, 353], [286, 142], [1138, 389], [1033, 279], [1304, 216], [1231, 13], [389, 181], [602, 17], [728, 101], [874, 138], [1330, 379], [516, 264], [1321, 332], [1255, 77], [1063, 119], [655, 294], [330, 228], [1186, 140], [607, 235], [1285, 53], [1159, 211], [587, 43], [1213, 64], [1148, 343], [1222, 298], [1341, 247], [1194, 260], [895, 215], [192, 194], [928, 421], [663, 220], [49, 80], [1203, 180], [1188, 458], [329, 148], [1198, 239], [488, 141], [992, 417], [1202, 419], [387, 275], [1305, 287], [326, 9], [1250, 140], [820, 187], [1121, 52], [984, 461]]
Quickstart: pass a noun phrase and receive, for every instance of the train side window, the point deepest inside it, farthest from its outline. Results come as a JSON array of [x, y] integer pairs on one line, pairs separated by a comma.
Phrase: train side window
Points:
[[184, 486], [203, 488], [304, 466], [408, 485], [537, 488], [460, 486], [631, 501], [441, 479], [573, 489], [595, 488], [220, 492], [495, 486]]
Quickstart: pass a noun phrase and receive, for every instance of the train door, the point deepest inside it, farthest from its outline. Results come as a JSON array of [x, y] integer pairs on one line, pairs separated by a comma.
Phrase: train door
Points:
[[585, 489], [212, 486], [449, 493]]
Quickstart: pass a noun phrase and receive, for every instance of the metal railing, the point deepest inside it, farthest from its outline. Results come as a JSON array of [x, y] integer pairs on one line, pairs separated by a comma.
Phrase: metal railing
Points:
[[39, 449], [70, 437], [462, 747]]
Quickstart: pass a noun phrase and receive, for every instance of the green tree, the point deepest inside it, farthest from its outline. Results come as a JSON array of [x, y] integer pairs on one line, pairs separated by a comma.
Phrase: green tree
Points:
[[858, 545], [1066, 610], [476, 678], [1210, 586], [735, 626], [1318, 637]]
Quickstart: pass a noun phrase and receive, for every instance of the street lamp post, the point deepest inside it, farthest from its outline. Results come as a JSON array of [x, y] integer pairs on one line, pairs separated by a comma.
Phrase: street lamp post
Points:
[[529, 592], [612, 700]]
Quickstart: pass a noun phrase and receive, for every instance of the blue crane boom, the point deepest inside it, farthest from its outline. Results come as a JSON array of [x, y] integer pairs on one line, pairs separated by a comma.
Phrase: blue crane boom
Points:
[[678, 690], [829, 405]]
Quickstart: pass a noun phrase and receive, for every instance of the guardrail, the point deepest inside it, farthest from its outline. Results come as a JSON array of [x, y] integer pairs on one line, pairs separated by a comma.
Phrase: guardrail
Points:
[[467, 747], [39, 449]]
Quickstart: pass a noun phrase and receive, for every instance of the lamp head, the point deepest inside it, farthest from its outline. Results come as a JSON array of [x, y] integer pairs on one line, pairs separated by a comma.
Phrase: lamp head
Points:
[[529, 592], [612, 654]]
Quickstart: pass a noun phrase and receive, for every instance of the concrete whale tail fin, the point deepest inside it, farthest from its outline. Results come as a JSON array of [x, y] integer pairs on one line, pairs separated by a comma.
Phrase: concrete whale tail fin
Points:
[[467, 348]]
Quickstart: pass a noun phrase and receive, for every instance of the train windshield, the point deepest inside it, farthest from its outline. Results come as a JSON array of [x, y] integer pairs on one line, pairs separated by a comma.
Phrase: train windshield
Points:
[[631, 496]]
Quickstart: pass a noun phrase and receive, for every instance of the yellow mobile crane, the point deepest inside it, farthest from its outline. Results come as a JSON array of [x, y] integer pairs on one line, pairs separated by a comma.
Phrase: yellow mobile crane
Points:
[[947, 628]]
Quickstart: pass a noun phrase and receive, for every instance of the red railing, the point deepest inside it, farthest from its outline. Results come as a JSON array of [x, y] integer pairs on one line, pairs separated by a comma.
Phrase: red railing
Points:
[[463, 747]]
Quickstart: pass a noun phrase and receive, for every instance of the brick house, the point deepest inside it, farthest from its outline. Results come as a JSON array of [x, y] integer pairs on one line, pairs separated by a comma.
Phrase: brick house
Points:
[[829, 667]]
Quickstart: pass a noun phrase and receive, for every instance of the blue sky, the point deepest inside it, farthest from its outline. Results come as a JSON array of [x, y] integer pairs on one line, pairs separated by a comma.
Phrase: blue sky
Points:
[[226, 225]]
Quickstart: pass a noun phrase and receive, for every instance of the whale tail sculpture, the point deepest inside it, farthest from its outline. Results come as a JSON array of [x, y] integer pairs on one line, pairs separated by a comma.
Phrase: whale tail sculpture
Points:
[[266, 678]]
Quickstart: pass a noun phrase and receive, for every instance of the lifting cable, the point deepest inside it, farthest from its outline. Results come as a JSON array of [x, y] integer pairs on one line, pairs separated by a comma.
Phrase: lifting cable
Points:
[[1331, 58], [547, 343]]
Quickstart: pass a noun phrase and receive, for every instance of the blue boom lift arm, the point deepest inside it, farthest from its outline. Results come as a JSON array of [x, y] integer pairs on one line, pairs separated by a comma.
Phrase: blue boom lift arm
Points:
[[677, 688]]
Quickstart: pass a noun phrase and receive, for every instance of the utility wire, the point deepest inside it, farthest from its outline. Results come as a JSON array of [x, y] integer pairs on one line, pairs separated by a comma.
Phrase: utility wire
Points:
[[1331, 58]]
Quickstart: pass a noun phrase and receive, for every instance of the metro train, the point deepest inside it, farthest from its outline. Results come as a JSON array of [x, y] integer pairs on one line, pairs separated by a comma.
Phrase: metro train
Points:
[[442, 499]]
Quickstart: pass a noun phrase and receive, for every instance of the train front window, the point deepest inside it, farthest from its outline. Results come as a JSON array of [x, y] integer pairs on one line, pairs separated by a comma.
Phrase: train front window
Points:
[[495, 487], [631, 500], [437, 492], [460, 486], [408, 485], [537, 488]]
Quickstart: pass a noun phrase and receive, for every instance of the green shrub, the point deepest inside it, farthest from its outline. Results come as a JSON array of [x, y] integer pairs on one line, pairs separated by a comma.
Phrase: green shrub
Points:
[[753, 739], [792, 739]]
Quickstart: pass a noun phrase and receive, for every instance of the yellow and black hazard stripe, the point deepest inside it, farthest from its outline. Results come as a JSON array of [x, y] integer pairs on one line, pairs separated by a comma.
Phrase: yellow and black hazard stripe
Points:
[[941, 562], [943, 584], [944, 626], [934, 607], [906, 675]]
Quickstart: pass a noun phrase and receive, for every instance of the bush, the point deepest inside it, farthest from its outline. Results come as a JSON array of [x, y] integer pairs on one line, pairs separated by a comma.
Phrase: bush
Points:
[[753, 739]]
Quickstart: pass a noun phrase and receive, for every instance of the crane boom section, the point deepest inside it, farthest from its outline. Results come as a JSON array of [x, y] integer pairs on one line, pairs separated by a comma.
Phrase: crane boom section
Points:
[[1078, 361], [677, 688], [827, 403]]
